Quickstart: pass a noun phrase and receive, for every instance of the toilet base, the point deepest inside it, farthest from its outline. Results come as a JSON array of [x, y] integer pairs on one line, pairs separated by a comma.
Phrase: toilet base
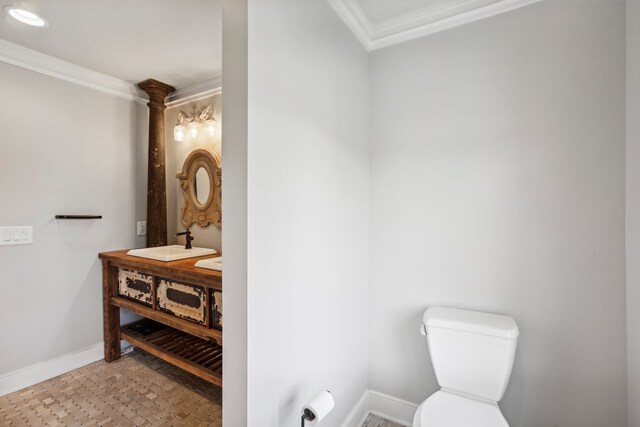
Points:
[[447, 409]]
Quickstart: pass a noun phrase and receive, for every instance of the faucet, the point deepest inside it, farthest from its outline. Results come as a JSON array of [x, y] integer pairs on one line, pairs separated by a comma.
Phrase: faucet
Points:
[[187, 237]]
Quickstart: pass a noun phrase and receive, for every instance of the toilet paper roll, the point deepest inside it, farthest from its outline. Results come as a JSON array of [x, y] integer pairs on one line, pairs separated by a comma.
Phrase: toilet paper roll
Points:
[[320, 406]]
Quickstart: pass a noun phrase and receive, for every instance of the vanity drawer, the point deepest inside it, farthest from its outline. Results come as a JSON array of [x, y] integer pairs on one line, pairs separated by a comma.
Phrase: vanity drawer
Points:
[[216, 309], [135, 286], [182, 300]]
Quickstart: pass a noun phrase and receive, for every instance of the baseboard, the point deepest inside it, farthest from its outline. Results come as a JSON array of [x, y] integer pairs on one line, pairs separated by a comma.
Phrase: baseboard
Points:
[[34, 374], [382, 405], [359, 413]]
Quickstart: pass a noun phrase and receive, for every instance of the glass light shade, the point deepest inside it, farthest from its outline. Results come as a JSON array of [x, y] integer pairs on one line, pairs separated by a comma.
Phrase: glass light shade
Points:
[[179, 132], [210, 127], [193, 129], [25, 16]]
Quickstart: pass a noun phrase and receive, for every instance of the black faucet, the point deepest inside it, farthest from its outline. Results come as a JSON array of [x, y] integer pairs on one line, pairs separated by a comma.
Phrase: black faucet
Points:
[[187, 237]]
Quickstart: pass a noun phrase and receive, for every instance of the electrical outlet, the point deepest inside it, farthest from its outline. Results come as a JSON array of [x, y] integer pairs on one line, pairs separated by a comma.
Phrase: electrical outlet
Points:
[[142, 228]]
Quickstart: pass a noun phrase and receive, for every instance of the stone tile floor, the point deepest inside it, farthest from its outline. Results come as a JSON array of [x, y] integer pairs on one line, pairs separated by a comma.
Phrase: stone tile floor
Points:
[[137, 390], [374, 421]]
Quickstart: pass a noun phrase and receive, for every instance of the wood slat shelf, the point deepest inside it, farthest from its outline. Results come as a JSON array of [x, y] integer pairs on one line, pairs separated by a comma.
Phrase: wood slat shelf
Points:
[[169, 320], [201, 357]]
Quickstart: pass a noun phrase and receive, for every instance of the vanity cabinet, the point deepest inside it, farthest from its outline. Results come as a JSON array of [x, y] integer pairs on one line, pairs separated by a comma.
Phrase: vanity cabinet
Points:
[[181, 306]]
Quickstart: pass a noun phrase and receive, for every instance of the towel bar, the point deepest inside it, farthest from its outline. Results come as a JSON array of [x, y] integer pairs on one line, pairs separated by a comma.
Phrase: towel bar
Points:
[[78, 216]]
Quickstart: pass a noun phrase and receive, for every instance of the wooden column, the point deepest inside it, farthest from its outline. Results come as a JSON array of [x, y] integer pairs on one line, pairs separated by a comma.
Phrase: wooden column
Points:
[[157, 181]]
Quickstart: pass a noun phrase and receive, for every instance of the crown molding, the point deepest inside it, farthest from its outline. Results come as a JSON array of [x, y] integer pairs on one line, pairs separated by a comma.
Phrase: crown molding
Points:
[[355, 18], [427, 15], [420, 22], [38, 62], [195, 92]]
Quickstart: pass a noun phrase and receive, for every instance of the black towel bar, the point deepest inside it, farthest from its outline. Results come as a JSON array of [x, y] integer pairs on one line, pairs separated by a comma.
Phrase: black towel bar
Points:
[[78, 216]]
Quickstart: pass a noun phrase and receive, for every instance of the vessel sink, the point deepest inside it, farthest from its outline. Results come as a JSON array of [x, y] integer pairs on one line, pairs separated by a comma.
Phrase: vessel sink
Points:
[[210, 263], [171, 253]]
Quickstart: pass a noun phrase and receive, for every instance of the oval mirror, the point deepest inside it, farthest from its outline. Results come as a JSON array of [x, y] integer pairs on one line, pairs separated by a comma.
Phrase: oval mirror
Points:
[[200, 182], [202, 185]]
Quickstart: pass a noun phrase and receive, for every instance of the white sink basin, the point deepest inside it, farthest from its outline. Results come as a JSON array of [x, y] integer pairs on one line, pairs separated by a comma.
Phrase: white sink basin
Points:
[[171, 253], [210, 263]]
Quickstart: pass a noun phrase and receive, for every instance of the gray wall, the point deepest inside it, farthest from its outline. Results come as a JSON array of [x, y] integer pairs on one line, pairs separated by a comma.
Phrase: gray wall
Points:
[[177, 152], [64, 149], [308, 208], [234, 208], [497, 184], [633, 209]]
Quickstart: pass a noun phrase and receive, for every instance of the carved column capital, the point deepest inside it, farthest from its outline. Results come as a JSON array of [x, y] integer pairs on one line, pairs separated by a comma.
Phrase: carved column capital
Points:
[[156, 90]]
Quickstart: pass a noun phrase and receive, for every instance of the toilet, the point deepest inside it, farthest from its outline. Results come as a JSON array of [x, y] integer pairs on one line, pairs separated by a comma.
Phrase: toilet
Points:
[[472, 355]]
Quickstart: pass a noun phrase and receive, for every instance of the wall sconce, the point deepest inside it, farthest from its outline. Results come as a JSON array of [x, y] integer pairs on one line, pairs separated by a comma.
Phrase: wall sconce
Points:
[[194, 123]]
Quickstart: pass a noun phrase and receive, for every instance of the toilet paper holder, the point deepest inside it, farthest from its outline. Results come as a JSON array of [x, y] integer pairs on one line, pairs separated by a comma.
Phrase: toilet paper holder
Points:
[[317, 408], [307, 415]]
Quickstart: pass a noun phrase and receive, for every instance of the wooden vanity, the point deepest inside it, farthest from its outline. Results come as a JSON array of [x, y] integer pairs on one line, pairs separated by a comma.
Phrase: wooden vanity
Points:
[[181, 306]]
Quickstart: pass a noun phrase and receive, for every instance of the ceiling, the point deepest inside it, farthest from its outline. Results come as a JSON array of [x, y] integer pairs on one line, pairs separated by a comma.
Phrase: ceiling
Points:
[[176, 42], [382, 23], [180, 41]]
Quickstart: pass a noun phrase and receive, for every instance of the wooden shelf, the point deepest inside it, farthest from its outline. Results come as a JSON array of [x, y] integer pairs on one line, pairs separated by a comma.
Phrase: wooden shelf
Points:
[[169, 320], [199, 356]]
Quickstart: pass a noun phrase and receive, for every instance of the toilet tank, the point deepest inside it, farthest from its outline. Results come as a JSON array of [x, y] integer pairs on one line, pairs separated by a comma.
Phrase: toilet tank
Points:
[[471, 352]]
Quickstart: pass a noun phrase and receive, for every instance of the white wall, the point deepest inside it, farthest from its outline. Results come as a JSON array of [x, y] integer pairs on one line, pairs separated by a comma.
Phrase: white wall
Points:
[[234, 208], [308, 204], [497, 184], [176, 154], [633, 210], [64, 149]]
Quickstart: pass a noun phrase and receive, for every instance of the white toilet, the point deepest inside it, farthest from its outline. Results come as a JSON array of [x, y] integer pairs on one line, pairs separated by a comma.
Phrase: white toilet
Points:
[[472, 355]]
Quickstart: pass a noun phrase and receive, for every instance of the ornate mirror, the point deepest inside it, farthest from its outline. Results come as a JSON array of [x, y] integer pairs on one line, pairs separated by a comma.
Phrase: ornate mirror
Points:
[[200, 181]]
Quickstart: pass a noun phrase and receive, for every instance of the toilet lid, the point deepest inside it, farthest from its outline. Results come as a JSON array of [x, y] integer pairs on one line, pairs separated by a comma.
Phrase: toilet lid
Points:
[[444, 409]]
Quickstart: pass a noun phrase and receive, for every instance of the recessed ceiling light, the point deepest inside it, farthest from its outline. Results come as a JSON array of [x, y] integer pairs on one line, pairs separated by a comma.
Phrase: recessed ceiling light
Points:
[[25, 16]]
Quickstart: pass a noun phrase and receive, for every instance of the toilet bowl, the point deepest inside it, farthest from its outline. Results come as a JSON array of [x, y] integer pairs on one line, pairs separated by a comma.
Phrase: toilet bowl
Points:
[[472, 355], [445, 409]]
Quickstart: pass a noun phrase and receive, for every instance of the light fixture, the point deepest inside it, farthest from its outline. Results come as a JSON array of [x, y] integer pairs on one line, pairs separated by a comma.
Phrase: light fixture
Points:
[[25, 16], [193, 129], [196, 121], [179, 132], [210, 127]]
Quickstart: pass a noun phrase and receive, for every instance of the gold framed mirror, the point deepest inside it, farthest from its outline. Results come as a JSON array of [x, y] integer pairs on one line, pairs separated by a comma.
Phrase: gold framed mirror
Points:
[[201, 183]]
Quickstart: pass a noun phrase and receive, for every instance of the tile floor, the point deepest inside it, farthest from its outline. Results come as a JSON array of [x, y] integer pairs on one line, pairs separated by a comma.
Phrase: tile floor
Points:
[[374, 421], [137, 390]]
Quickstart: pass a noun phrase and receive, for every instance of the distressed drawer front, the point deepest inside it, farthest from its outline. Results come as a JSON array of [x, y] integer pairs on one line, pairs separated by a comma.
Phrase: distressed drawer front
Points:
[[216, 309], [135, 285], [182, 300]]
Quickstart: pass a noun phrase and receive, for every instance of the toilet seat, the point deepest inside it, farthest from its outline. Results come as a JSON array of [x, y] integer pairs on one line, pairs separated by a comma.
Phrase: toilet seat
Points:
[[444, 409]]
